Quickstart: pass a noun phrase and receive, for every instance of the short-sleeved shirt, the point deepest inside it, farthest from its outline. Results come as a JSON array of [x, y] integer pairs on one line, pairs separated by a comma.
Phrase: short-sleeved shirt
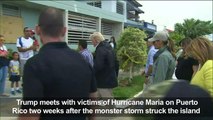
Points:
[[25, 43], [151, 54], [58, 72], [14, 66]]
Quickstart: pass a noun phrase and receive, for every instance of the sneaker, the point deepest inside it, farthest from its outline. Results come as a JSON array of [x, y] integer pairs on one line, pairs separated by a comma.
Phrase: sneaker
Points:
[[4, 95], [13, 93], [18, 91]]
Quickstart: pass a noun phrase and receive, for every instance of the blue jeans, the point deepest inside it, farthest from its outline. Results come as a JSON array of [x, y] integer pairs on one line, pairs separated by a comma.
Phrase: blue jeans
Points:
[[3, 76]]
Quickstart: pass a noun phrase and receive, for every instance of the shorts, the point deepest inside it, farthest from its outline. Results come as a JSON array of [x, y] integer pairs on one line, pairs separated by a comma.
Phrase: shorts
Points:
[[14, 78]]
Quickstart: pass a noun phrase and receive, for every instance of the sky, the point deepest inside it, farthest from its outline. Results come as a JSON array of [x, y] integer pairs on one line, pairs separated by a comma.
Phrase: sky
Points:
[[167, 13]]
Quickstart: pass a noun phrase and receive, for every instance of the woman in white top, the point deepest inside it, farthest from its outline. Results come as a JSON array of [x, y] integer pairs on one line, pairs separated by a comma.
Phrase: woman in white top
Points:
[[3, 65]]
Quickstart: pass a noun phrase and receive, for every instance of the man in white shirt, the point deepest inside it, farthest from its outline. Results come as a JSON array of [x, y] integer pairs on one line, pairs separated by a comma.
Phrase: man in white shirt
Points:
[[25, 47]]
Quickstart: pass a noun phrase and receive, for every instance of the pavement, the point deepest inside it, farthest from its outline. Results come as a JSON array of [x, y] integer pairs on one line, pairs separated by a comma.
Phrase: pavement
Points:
[[5, 106], [6, 103]]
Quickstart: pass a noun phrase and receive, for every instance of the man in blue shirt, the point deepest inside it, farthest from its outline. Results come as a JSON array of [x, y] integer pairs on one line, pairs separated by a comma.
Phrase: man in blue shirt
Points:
[[149, 63], [82, 45]]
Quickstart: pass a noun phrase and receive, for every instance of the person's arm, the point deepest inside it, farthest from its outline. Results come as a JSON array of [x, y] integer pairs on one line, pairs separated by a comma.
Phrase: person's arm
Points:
[[194, 68], [4, 53], [161, 68], [143, 72], [99, 59], [32, 88], [20, 49], [149, 72], [10, 67], [151, 61]]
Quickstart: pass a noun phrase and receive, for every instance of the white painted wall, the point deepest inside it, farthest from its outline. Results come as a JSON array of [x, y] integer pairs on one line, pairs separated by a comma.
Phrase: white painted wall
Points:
[[109, 5]]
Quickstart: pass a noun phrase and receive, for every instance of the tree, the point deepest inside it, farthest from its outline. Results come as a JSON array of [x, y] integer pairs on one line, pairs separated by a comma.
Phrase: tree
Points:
[[193, 28], [176, 37], [131, 49]]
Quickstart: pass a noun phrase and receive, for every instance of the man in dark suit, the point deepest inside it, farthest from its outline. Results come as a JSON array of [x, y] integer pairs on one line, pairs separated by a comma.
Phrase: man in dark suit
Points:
[[104, 65]]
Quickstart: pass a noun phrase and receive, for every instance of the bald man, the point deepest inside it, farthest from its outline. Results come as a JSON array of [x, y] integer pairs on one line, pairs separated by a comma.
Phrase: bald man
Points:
[[56, 72]]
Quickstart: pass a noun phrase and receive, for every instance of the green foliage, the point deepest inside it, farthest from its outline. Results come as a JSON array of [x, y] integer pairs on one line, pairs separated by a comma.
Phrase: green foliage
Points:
[[10, 51], [193, 28], [131, 48], [176, 37], [129, 91]]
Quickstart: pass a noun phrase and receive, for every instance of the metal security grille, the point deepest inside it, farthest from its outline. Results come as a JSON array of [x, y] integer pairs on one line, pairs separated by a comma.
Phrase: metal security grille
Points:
[[120, 8], [10, 10], [80, 27], [95, 4], [106, 28]]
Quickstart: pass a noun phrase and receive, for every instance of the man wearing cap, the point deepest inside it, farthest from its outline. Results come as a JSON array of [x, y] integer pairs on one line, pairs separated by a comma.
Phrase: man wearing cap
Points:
[[25, 47], [149, 63], [164, 59]]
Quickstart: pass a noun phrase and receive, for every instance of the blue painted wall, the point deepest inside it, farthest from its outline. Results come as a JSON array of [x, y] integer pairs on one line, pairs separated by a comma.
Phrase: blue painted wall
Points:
[[30, 17]]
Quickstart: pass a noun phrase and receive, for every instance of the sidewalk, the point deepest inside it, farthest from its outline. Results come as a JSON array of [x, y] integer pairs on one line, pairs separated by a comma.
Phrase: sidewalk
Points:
[[5, 103], [12, 103], [6, 109]]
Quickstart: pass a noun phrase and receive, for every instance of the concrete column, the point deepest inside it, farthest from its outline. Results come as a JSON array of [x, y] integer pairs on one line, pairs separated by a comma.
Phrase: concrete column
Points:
[[66, 12], [125, 10], [99, 25]]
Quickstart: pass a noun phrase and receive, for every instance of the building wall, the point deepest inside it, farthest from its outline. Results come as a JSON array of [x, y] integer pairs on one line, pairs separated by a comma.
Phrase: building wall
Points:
[[30, 19], [30, 15], [78, 7], [109, 5]]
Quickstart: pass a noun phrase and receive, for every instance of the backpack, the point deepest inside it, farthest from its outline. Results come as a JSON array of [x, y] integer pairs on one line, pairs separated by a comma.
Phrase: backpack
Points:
[[20, 42]]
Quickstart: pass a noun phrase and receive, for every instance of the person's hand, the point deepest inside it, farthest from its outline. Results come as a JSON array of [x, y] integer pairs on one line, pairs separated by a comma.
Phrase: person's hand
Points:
[[4, 53], [33, 47], [143, 73], [146, 80]]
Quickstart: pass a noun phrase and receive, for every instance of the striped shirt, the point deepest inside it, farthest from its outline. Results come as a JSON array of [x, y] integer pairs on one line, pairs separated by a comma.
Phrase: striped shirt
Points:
[[87, 56]]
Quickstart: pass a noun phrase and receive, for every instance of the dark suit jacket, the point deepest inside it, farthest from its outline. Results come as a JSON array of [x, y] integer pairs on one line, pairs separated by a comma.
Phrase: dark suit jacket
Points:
[[104, 65]]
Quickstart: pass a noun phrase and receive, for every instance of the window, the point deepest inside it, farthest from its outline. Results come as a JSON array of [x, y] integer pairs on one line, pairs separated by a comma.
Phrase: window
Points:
[[95, 4], [10, 10], [80, 27], [106, 28], [120, 8]]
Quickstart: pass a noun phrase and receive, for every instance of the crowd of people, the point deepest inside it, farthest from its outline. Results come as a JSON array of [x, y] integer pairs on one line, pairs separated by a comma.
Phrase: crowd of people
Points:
[[27, 46], [194, 64], [59, 72]]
